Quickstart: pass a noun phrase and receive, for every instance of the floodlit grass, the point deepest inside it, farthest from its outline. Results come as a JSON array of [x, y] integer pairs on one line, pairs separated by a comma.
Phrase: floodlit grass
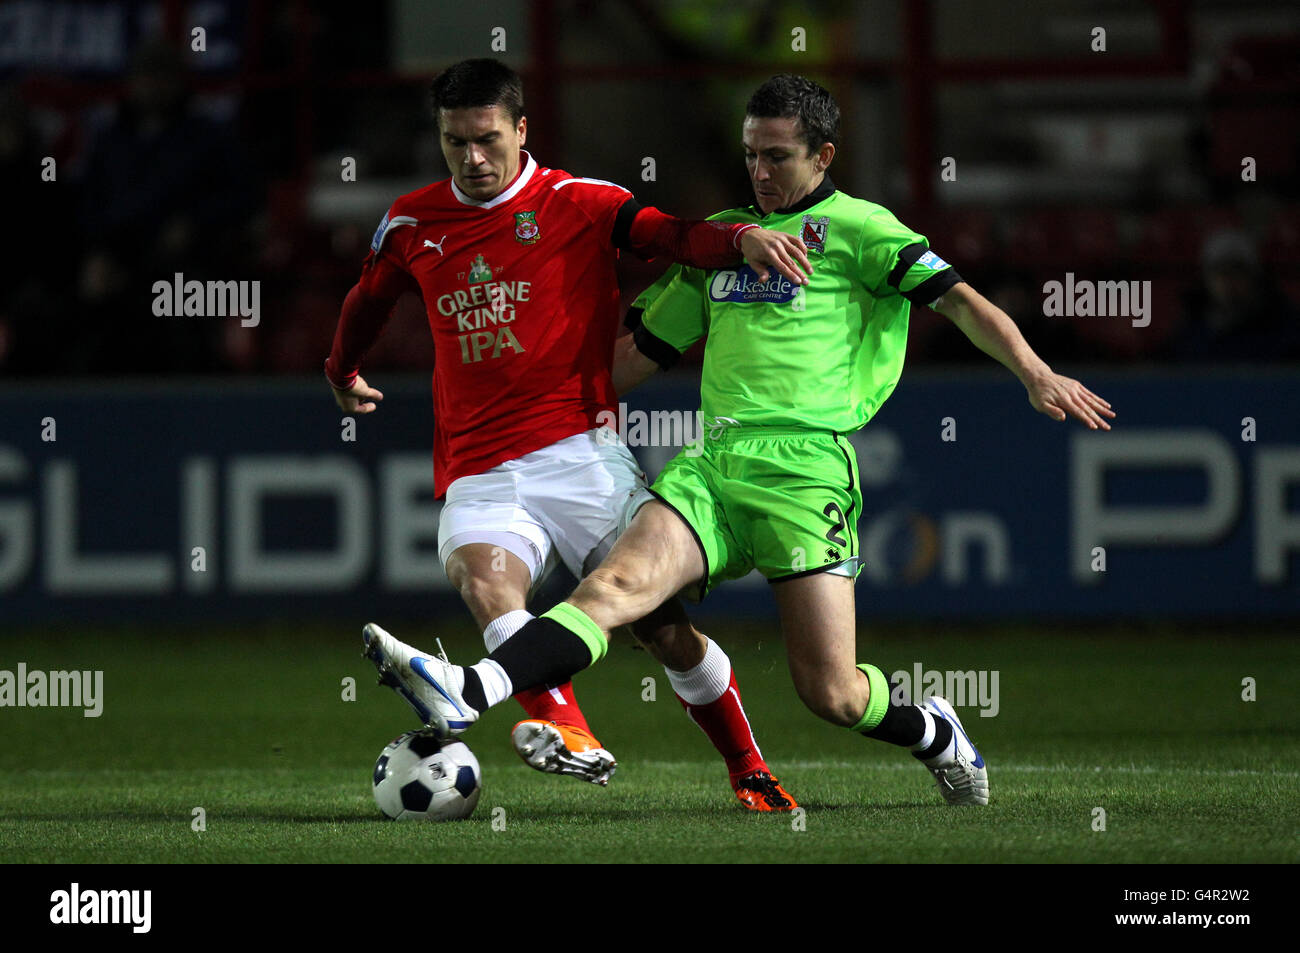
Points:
[[253, 728]]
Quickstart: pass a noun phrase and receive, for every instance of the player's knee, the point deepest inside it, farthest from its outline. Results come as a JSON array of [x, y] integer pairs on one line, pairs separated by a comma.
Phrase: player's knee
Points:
[[620, 582], [486, 595]]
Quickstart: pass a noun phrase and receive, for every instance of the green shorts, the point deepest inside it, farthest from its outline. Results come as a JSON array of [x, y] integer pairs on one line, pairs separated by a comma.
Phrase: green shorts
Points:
[[783, 501]]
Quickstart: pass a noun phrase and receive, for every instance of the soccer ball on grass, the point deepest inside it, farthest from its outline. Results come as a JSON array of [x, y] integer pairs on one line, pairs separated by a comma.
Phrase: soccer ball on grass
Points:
[[420, 778]]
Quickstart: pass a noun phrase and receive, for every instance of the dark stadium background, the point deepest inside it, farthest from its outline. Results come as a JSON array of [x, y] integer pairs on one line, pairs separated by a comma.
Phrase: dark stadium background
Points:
[[1022, 151], [129, 442]]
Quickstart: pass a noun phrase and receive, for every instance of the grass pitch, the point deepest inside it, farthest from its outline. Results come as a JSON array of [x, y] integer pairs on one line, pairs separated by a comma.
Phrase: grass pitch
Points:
[[253, 727]]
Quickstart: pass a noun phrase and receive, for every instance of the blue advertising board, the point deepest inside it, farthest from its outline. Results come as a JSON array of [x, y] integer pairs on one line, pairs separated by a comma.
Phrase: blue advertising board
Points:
[[238, 500]]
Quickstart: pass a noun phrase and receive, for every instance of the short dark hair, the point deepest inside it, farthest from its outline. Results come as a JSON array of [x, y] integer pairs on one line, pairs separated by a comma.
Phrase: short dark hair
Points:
[[471, 84], [787, 96]]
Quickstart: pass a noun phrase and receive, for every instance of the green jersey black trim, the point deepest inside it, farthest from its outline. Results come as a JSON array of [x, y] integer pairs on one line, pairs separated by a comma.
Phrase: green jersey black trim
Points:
[[652, 346], [907, 257], [932, 288]]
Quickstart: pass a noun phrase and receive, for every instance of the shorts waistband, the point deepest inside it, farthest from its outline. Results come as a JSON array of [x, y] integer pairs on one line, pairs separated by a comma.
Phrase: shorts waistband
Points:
[[726, 428]]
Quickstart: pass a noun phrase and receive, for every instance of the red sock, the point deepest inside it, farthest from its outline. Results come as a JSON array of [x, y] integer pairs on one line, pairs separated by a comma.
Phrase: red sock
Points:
[[725, 723], [542, 704]]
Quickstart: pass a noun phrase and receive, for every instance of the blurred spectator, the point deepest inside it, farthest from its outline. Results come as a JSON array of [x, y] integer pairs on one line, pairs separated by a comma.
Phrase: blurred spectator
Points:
[[166, 190], [1237, 311], [33, 283]]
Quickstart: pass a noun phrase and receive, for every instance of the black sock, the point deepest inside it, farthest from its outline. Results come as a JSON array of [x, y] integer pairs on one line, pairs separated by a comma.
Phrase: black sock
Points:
[[942, 737], [472, 690], [904, 725], [542, 653]]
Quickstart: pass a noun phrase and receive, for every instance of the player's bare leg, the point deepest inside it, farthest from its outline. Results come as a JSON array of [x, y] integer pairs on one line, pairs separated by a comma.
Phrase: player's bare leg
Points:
[[555, 737], [705, 684], [819, 622], [820, 628], [654, 558], [491, 580], [667, 634]]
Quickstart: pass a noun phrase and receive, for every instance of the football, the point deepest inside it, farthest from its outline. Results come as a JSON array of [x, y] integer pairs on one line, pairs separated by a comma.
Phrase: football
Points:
[[420, 778]]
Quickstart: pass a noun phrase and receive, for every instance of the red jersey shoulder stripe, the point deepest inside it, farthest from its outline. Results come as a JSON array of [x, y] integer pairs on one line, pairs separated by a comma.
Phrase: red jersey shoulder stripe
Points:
[[559, 185], [387, 225]]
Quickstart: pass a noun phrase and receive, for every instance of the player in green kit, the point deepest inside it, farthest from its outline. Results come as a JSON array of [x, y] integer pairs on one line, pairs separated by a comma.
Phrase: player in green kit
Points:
[[789, 370]]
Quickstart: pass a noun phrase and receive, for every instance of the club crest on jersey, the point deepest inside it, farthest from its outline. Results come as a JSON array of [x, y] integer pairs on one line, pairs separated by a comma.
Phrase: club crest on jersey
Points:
[[479, 270], [813, 232], [526, 228]]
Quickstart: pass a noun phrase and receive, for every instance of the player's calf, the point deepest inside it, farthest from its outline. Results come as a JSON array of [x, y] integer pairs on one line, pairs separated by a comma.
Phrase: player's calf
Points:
[[841, 701], [711, 697]]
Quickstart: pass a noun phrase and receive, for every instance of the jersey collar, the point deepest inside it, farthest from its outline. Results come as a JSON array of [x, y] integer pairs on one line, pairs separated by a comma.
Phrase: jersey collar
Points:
[[521, 180], [819, 194]]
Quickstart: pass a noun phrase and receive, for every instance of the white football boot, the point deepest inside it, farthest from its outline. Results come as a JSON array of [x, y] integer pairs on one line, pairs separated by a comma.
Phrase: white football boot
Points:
[[432, 686], [962, 777]]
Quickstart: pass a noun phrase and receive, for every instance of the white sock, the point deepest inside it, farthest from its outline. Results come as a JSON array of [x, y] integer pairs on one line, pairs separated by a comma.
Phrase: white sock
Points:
[[705, 682], [503, 626], [947, 755], [927, 738], [495, 681]]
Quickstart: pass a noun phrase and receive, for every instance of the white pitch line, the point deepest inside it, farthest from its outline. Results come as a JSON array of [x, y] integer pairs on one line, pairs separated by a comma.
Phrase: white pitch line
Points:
[[1008, 768], [901, 765]]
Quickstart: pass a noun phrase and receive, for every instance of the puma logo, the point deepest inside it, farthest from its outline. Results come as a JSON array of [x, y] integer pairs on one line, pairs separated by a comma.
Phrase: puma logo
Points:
[[437, 245]]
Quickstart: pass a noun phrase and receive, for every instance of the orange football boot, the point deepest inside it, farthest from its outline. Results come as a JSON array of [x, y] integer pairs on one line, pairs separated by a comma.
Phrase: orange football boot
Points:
[[563, 749], [759, 791]]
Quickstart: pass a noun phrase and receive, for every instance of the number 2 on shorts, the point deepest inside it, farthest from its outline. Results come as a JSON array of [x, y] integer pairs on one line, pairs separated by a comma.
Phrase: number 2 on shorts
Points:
[[833, 534]]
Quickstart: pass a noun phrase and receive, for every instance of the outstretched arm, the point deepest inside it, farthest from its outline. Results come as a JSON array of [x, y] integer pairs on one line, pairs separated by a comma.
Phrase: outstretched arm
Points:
[[990, 329], [363, 316], [651, 233]]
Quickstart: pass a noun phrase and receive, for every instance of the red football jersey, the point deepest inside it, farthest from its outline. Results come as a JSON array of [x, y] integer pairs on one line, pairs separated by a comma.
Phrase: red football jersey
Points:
[[522, 299]]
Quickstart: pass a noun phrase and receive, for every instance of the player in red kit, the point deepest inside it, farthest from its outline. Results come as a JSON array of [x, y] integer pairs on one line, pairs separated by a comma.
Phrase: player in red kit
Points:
[[516, 266]]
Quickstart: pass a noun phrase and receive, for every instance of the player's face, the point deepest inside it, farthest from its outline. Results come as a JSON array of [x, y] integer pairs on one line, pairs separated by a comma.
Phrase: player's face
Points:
[[481, 146], [780, 168]]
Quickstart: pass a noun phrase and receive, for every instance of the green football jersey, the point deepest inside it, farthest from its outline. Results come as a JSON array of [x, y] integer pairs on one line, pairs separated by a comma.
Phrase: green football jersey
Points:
[[823, 356]]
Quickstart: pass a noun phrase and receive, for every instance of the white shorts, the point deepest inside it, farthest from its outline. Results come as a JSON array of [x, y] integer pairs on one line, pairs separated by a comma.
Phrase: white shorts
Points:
[[563, 503]]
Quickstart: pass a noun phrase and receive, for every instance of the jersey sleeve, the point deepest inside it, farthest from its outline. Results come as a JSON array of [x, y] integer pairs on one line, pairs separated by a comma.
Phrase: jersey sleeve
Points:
[[673, 315], [893, 259], [648, 297], [608, 206], [389, 239]]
